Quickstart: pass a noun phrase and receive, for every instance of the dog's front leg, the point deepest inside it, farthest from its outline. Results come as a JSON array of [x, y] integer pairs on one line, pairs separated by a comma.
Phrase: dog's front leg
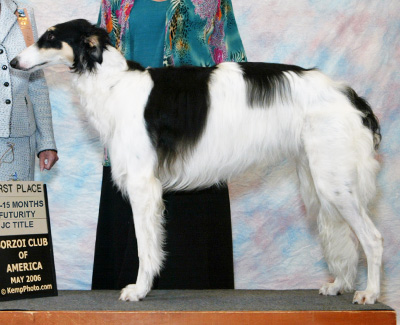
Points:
[[145, 195]]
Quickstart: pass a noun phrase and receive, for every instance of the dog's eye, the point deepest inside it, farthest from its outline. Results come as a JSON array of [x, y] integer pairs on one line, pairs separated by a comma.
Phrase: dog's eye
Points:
[[50, 37]]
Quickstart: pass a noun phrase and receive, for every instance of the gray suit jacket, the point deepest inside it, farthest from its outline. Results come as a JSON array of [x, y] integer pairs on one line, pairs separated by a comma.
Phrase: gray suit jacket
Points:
[[24, 100]]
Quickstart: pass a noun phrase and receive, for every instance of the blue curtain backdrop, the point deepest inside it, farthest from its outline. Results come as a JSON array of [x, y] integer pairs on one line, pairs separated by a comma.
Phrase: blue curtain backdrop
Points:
[[275, 245]]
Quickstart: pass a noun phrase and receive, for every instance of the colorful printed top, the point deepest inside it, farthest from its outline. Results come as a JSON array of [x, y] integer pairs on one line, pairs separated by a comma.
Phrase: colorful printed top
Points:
[[197, 32]]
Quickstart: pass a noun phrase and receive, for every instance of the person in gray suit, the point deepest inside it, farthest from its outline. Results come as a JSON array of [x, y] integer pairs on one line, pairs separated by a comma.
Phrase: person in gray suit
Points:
[[26, 127]]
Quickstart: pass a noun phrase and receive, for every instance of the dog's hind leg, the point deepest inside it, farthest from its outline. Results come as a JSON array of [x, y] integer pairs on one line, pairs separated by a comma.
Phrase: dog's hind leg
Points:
[[341, 215], [371, 242], [145, 195], [338, 242], [344, 177]]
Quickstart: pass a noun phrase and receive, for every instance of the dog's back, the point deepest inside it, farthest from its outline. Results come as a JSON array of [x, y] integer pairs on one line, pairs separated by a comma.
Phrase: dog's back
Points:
[[244, 114]]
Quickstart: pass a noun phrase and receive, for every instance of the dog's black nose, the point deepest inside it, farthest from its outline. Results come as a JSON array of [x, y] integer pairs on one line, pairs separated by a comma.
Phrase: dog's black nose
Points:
[[15, 63]]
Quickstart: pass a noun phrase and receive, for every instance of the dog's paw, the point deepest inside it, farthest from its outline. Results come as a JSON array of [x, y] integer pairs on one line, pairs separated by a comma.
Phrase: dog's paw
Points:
[[365, 297], [330, 289], [131, 293]]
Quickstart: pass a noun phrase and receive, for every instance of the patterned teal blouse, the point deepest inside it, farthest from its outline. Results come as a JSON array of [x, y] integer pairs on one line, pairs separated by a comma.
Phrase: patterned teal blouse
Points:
[[146, 25], [197, 32]]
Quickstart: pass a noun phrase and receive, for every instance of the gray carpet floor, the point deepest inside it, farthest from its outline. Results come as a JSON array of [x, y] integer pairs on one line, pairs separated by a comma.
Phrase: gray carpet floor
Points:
[[194, 300]]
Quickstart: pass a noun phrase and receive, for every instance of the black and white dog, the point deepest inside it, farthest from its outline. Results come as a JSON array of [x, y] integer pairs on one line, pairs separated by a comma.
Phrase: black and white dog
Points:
[[190, 127]]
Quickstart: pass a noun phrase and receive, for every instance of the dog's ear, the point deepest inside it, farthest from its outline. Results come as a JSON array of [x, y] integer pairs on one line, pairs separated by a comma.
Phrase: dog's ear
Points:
[[94, 48]]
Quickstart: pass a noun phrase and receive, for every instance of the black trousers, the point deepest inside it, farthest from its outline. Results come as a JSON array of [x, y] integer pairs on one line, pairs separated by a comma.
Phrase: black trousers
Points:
[[198, 240]]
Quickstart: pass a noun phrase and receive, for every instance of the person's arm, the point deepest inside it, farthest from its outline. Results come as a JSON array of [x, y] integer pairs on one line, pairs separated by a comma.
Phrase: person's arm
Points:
[[231, 38], [39, 97]]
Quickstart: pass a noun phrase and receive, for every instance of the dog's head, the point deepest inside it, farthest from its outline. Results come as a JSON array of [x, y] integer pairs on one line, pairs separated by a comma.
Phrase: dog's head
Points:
[[76, 43]]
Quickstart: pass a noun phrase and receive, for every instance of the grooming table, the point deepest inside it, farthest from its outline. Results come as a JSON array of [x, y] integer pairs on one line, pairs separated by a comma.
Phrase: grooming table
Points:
[[195, 307]]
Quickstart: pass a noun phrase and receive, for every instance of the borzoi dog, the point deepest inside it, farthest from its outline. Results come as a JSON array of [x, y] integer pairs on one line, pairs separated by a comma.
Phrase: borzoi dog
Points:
[[191, 127]]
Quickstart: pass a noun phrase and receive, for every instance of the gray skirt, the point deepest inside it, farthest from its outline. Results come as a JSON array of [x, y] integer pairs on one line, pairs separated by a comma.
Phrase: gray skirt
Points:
[[17, 158]]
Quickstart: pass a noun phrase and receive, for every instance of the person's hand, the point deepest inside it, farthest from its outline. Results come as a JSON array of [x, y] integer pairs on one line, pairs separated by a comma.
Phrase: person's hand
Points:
[[47, 159]]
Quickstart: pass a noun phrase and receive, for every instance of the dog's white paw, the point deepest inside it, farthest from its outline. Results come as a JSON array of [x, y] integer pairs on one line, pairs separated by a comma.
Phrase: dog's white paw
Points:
[[132, 293], [330, 289], [365, 297]]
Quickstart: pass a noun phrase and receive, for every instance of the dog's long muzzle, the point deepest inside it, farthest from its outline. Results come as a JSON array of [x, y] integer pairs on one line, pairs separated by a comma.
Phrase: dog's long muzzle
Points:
[[29, 60]]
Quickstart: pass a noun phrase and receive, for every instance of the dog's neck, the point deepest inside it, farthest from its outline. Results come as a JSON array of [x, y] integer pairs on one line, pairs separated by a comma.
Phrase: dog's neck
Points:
[[94, 86], [94, 89]]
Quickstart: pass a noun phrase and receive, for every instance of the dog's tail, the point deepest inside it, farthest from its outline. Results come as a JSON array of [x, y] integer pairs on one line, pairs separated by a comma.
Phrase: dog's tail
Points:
[[369, 119], [367, 165]]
